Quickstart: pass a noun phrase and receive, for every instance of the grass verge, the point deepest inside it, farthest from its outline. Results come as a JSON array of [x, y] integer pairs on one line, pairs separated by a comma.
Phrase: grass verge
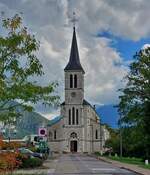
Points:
[[130, 160]]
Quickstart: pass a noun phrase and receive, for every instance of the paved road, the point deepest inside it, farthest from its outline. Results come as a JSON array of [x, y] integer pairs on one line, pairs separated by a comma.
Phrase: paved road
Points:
[[74, 164]]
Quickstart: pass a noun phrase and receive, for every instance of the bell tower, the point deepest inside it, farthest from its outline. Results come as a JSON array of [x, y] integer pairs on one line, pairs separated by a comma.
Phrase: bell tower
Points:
[[74, 76]]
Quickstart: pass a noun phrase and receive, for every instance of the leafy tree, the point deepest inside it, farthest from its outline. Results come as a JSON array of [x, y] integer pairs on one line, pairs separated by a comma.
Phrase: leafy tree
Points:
[[113, 141], [18, 65], [132, 141], [134, 106]]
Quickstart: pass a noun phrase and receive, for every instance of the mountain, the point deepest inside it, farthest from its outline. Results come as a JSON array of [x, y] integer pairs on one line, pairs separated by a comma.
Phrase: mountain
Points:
[[108, 114], [26, 124], [29, 123]]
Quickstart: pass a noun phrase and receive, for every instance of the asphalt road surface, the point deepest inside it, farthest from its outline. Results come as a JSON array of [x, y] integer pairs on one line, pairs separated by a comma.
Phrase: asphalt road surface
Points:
[[74, 164]]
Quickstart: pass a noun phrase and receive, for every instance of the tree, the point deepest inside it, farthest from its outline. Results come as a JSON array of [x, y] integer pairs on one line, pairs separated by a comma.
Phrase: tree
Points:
[[18, 65], [134, 106], [113, 141]]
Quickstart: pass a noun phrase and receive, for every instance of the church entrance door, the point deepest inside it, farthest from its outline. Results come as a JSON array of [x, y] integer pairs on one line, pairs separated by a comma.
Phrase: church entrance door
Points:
[[73, 146]]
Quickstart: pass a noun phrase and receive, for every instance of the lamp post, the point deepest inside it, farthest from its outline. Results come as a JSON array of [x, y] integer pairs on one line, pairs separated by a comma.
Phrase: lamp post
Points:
[[120, 135], [11, 131]]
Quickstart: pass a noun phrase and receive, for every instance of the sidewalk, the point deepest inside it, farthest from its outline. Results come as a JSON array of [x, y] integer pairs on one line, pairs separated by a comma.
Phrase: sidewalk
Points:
[[134, 168]]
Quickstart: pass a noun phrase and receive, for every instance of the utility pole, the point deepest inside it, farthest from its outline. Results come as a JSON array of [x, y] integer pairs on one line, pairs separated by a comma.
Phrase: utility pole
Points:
[[120, 133], [9, 133]]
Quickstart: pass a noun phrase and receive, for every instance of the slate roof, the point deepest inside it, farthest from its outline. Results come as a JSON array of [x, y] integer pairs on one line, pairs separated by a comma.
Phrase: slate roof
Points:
[[84, 103], [74, 61]]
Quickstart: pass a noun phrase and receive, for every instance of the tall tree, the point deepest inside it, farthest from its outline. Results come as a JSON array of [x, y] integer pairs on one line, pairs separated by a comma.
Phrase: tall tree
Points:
[[18, 65], [134, 104]]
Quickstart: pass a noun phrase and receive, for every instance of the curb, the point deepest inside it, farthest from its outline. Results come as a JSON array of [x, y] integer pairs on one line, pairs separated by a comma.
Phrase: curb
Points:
[[131, 170], [122, 167]]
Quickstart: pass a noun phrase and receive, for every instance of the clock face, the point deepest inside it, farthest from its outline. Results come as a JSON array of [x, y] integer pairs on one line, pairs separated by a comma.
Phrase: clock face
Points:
[[73, 94]]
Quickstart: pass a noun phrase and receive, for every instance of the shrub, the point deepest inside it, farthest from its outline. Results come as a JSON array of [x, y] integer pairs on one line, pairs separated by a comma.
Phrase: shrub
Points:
[[1, 142], [31, 163], [9, 161], [10, 145]]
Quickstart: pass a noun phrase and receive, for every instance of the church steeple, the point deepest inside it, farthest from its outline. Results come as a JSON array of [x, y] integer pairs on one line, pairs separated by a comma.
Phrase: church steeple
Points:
[[74, 61]]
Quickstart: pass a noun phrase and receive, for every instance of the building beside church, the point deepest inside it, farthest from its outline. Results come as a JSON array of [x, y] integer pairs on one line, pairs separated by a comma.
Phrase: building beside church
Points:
[[78, 128]]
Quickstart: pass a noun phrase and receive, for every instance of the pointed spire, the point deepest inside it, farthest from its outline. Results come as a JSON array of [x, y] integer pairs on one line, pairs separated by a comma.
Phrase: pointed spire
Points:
[[74, 61]]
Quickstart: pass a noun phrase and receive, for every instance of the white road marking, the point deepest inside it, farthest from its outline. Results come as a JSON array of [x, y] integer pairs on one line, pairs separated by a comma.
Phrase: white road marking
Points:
[[51, 171], [103, 169]]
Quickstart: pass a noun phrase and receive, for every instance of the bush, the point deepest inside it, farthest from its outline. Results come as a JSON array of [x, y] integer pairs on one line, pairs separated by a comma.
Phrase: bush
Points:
[[31, 163], [9, 161]]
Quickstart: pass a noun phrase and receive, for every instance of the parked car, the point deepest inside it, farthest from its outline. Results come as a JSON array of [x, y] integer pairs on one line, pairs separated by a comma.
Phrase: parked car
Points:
[[30, 153]]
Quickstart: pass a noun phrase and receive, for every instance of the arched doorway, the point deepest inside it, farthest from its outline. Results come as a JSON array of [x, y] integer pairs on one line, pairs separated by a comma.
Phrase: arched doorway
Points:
[[73, 146], [73, 142]]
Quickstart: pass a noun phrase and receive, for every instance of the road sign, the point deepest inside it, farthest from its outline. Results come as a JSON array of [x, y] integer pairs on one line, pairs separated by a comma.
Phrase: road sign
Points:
[[42, 132]]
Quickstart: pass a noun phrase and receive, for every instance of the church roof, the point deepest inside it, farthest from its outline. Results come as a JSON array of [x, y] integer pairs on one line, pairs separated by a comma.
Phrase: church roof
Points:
[[84, 103], [54, 121], [74, 60]]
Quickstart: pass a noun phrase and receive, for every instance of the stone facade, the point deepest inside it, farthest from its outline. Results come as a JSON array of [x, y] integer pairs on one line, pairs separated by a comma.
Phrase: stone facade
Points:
[[78, 128]]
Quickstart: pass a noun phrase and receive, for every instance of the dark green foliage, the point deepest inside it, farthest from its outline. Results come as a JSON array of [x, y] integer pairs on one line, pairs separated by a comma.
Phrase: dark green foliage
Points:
[[134, 107], [31, 163]]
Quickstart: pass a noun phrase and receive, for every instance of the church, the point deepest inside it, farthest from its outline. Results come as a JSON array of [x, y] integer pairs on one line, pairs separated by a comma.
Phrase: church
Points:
[[78, 128]]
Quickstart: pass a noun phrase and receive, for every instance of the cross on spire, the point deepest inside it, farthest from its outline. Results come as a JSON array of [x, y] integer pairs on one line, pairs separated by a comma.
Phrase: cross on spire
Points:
[[74, 20], [74, 60]]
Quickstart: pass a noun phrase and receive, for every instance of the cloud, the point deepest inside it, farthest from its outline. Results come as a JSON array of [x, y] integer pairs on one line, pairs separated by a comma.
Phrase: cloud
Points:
[[49, 21], [128, 19], [145, 46]]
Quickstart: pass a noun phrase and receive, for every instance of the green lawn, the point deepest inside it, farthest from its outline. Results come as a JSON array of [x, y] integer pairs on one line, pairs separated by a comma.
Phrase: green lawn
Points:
[[129, 160], [145, 166], [135, 161]]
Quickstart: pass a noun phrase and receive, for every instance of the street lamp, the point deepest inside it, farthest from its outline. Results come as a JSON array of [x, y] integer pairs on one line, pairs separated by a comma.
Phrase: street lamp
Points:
[[11, 131], [120, 135]]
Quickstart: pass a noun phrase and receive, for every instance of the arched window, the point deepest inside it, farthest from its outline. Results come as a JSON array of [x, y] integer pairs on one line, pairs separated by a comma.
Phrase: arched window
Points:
[[73, 135], [73, 116], [55, 134], [50, 136], [96, 134], [69, 122], [71, 81], [77, 117], [75, 81]]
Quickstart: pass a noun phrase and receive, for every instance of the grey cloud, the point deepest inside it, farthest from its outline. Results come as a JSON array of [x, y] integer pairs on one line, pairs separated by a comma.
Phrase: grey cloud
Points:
[[49, 21]]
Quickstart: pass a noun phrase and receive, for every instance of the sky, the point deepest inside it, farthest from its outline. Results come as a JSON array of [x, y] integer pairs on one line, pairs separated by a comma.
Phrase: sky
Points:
[[109, 33]]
